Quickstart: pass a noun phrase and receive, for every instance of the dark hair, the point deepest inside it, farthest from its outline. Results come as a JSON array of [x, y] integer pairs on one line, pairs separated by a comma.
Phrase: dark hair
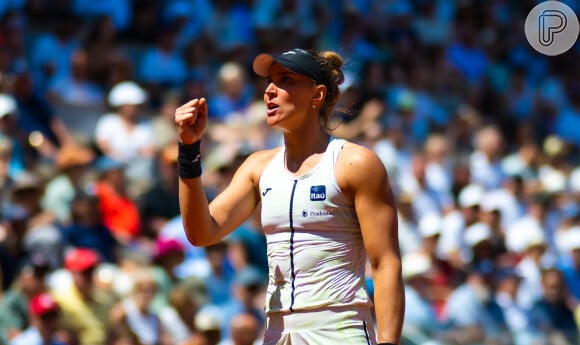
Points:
[[330, 63], [550, 270]]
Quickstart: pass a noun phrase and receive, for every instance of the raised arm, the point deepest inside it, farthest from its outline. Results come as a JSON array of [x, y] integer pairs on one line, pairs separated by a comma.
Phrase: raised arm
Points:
[[366, 181], [204, 223]]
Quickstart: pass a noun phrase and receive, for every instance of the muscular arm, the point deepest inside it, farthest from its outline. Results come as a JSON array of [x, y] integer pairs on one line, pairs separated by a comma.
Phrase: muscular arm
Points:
[[367, 183], [206, 224]]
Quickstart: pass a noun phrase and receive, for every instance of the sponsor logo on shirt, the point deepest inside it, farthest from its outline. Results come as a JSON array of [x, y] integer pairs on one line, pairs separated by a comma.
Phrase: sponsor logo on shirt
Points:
[[316, 213], [266, 191], [318, 193]]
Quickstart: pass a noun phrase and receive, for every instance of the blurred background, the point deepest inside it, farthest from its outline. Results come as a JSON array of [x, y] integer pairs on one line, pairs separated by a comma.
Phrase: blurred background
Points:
[[480, 135]]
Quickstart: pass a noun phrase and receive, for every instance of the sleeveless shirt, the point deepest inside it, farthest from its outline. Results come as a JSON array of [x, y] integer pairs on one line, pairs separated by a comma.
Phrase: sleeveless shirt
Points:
[[316, 255]]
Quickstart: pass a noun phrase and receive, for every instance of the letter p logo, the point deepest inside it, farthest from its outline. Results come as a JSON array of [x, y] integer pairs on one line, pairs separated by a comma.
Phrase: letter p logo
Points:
[[552, 27], [550, 23]]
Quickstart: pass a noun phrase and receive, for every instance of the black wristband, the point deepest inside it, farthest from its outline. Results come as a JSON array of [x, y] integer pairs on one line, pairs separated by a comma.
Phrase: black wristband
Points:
[[189, 160]]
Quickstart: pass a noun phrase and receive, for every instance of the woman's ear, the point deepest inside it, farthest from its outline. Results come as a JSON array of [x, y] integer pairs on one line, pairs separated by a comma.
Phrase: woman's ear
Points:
[[319, 95]]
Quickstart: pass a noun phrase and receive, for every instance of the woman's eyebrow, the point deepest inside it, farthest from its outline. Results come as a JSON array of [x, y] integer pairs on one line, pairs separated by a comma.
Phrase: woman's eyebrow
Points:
[[287, 73]]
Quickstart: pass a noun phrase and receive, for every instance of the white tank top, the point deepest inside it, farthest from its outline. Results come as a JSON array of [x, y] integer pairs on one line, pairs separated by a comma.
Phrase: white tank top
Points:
[[316, 255]]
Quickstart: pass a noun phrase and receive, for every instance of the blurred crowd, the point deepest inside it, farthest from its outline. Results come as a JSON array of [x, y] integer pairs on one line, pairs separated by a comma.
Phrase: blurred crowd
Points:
[[480, 135]]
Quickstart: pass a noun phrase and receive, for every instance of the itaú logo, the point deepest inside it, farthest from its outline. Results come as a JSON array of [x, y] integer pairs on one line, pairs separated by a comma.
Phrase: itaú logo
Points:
[[318, 193]]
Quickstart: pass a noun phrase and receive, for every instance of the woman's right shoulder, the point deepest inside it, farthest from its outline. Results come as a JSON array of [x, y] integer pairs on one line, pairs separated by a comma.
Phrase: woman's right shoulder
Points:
[[257, 161], [262, 157]]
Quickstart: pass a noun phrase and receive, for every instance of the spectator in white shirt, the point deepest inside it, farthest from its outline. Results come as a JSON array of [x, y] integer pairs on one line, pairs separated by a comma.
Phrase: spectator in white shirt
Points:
[[135, 311], [123, 135], [485, 162]]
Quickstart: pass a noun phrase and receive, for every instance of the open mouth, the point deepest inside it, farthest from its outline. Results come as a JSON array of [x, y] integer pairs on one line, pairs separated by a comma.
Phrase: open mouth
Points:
[[272, 108]]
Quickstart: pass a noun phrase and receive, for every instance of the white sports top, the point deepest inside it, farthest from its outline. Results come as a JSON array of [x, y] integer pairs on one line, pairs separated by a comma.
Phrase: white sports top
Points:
[[316, 255]]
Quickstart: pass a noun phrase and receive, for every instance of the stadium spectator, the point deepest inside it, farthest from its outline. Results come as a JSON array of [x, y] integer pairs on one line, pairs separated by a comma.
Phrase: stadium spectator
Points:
[[230, 26], [85, 307], [439, 168], [451, 246], [478, 239], [13, 148], [244, 330], [72, 162], [5, 179], [420, 315], [160, 202], [233, 96], [134, 311], [125, 134], [490, 214], [161, 66], [86, 229], [101, 44], [485, 163], [531, 264], [118, 210], [75, 88], [472, 315], [52, 51], [221, 276], [247, 246], [570, 262], [14, 305], [409, 236], [551, 313], [425, 198], [41, 235], [36, 114], [168, 254], [444, 278], [248, 288], [517, 318], [44, 314], [208, 324], [162, 124], [177, 317]]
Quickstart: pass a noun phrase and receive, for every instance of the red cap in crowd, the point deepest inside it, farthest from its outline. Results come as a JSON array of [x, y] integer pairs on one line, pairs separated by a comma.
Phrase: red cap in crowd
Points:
[[81, 259], [42, 304]]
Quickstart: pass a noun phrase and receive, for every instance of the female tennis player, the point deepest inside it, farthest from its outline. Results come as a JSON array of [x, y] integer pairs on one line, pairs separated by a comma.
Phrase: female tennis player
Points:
[[326, 205]]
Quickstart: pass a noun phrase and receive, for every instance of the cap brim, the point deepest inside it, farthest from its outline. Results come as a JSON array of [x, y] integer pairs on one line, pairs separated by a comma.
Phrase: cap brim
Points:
[[262, 64]]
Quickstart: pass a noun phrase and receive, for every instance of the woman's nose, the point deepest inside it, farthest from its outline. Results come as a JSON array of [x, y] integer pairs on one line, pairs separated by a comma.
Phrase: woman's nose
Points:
[[270, 88]]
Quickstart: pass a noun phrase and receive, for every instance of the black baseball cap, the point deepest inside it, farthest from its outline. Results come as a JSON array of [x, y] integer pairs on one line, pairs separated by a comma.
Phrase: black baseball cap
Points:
[[296, 60]]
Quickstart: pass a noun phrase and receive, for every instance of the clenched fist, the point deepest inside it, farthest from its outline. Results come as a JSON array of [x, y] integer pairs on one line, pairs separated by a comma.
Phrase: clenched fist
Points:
[[191, 120]]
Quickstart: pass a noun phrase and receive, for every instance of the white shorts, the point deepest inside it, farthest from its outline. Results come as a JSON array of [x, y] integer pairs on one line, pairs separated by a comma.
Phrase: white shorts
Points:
[[352, 325]]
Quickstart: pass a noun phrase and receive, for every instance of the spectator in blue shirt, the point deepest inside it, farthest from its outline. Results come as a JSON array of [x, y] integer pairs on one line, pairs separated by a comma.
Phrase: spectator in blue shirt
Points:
[[161, 66], [570, 264], [35, 113], [87, 229], [247, 287], [52, 51], [551, 314], [472, 314]]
